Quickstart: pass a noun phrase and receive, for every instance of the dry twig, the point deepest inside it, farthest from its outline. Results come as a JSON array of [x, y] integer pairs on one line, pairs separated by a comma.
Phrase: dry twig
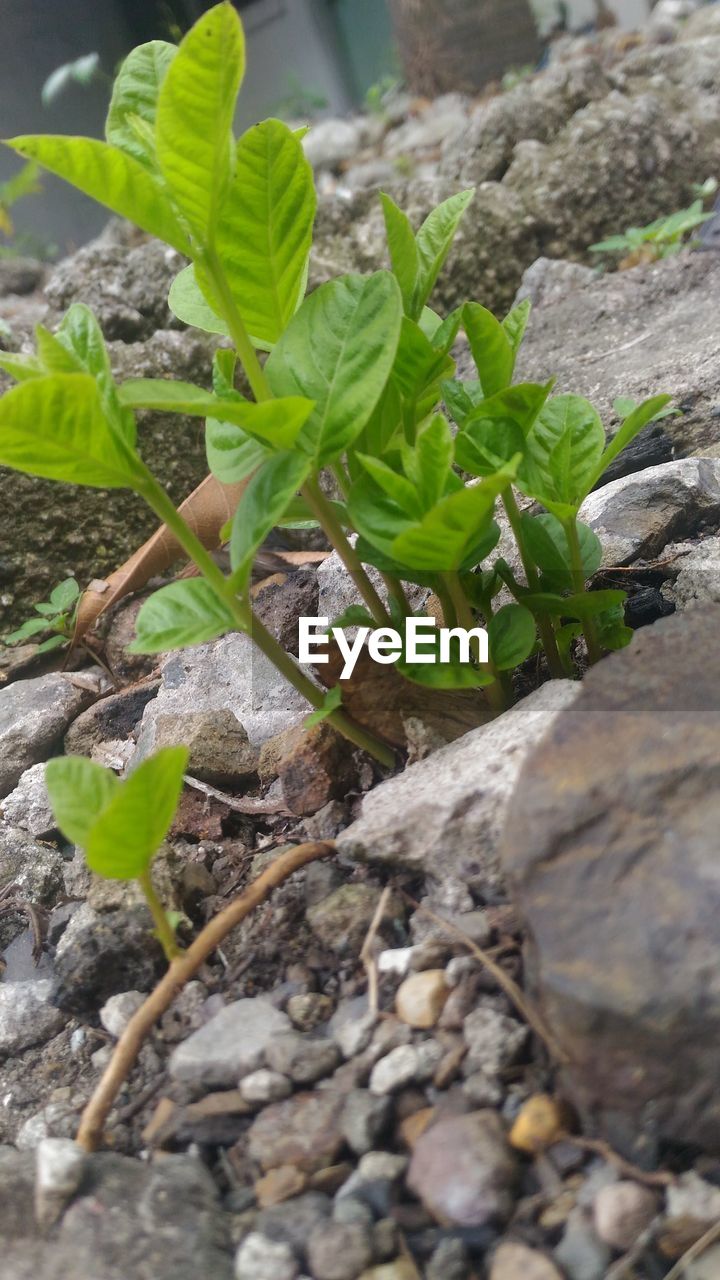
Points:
[[600, 1148], [241, 804], [180, 971], [366, 954], [696, 1250]]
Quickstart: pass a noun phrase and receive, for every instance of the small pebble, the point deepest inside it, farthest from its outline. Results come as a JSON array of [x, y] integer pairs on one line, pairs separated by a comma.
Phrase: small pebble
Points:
[[538, 1124], [339, 1250], [421, 997], [516, 1261], [60, 1167], [279, 1185], [309, 1010], [406, 1063], [261, 1259], [264, 1086], [118, 1010], [302, 1058], [622, 1212]]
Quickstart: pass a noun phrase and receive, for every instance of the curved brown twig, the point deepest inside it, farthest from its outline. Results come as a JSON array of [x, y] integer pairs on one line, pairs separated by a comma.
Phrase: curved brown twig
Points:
[[181, 970]]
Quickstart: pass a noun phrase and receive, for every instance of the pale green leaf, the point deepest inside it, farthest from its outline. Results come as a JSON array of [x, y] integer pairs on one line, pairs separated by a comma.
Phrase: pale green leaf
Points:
[[404, 256], [231, 453], [183, 613], [434, 241], [130, 829], [262, 506], [134, 98], [187, 301], [79, 791], [634, 423], [82, 336], [491, 348], [277, 421], [332, 701]]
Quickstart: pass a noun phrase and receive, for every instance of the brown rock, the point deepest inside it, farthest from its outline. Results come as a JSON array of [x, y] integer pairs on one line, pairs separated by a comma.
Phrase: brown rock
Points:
[[278, 1185], [538, 1123], [421, 997], [463, 1170], [413, 1127], [515, 1261], [611, 843], [303, 1131], [220, 752], [313, 765]]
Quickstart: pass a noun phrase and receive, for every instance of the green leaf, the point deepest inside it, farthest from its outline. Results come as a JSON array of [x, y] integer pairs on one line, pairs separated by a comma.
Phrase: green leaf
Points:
[[338, 350], [491, 348], [111, 177], [130, 829], [447, 534], [404, 256], [444, 675], [434, 241], [515, 324], [547, 543], [55, 642], [55, 427], [231, 453], [562, 455], [264, 233], [633, 424], [195, 109], [433, 456], [134, 98], [331, 702], [418, 367], [511, 635], [54, 357], [277, 421], [396, 486], [356, 615], [584, 604], [184, 613], [261, 507], [79, 791], [187, 301], [81, 335], [20, 367], [496, 430], [32, 627], [64, 594]]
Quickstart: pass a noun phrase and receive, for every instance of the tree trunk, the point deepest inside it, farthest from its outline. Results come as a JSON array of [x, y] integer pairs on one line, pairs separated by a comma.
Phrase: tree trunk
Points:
[[461, 45]]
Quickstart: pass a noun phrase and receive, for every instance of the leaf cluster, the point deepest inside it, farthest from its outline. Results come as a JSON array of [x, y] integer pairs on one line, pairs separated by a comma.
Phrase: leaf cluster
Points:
[[56, 614]]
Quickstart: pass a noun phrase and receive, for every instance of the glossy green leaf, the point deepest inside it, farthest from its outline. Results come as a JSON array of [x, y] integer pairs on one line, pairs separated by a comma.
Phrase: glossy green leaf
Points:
[[547, 543], [55, 427], [491, 348], [184, 613], [79, 791], [262, 506], [264, 232], [20, 367], [633, 424], [32, 627], [562, 455], [434, 241], [80, 334], [497, 428], [395, 485], [187, 301], [195, 109], [64, 594], [277, 421], [231, 453], [332, 701], [418, 368], [134, 100], [433, 458], [130, 829], [515, 324], [114, 179], [338, 350], [404, 256], [583, 604], [512, 635], [445, 536], [54, 357]]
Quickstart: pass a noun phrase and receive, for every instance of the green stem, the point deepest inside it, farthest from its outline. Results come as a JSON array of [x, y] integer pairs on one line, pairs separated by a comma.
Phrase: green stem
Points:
[[544, 625], [165, 934], [396, 590], [494, 692], [448, 608], [325, 515], [578, 574], [245, 620], [235, 323]]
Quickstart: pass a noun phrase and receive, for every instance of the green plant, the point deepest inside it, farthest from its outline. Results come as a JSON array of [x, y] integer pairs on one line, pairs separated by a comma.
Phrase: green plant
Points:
[[57, 614], [121, 825], [349, 393], [517, 75], [22, 184], [379, 94], [659, 239], [300, 101]]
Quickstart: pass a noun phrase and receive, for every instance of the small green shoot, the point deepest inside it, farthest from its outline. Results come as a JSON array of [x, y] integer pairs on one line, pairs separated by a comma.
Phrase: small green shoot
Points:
[[57, 615]]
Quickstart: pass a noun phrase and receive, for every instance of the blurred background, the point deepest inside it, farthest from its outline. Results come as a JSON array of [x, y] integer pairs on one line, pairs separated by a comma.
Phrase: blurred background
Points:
[[308, 59]]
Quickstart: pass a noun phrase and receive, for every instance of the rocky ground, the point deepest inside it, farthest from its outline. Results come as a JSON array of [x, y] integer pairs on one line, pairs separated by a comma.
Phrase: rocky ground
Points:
[[552, 1114]]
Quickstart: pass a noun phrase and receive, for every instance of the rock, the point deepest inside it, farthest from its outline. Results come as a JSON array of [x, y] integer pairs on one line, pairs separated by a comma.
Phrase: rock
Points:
[[279, 604], [494, 1041], [698, 581], [314, 766], [35, 869], [293, 1221], [638, 515], [126, 288], [421, 997], [482, 1091], [580, 1253], [227, 674], [514, 1261], [303, 1131], [28, 806], [339, 1251], [34, 715], [444, 815], [440, 124], [220, 752], [548, 280], [229, 1046], [61, 1165], [539, 1122], [261, 1259], [399, 1269], [341, 921], [118, 1010], [106, 727], [363, 1119], [309, 1010], [353, 1035], [329, 142], [103, 953], [706, 1266], [264, 1086], [20, 275], [406, 1064], [279, 1185], [622, 1212], [634, 1004], [691, 1198], [26, 1016], [303, 1059], [463, 1170]]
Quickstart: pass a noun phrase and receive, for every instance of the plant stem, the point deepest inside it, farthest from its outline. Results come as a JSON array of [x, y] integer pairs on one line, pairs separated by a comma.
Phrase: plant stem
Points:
[[325, 515], [578, 573], [544, 625], [443, 595], [245, 620], [396, 590], [235, 323], [494, 692], [162, 924]]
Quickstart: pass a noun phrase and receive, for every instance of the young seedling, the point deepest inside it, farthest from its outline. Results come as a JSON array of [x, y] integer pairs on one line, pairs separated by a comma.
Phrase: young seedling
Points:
[[121, 825], [659, 239], [57, 614], [347, 386]]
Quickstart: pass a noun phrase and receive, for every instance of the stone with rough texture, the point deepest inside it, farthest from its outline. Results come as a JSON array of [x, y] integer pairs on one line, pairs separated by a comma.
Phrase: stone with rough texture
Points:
[[261, 1259], [339, 1251], [118, 1010], [514, 1261], [26, 1016], [303, 1131], [61, 1165], [611, 849], [580, 1253], [444, 816], [405, 1064], [421, 998], [363, 1119], [304, 1059], [698, 580], [494, 1041], [622, 1211], [342, 920], [220, 752], [230, 1045], [28, 806], [34, 715], [463, 1170], [102, 953], [263, 1086], [329, 142]]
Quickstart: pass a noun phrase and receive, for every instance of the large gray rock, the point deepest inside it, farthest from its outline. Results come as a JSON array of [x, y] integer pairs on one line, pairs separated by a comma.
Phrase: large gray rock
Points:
[[230, 1045], [444, 816], [34, 715], [127, 288], [28, 806], [611, 847], [26, 1016]]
